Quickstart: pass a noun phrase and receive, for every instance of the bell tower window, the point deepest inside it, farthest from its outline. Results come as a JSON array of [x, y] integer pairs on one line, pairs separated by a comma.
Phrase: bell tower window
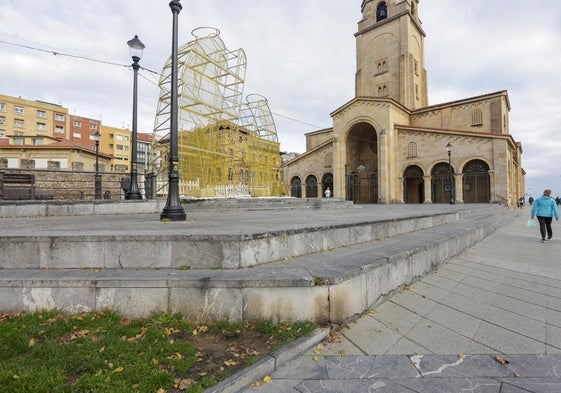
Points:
[[381, 11]]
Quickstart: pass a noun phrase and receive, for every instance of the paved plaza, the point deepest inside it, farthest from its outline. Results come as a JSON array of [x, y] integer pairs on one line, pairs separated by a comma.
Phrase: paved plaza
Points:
[[489, 321]]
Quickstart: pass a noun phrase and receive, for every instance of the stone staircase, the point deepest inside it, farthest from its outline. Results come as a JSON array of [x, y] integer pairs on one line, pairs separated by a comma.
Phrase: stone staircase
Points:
[[271, 262]]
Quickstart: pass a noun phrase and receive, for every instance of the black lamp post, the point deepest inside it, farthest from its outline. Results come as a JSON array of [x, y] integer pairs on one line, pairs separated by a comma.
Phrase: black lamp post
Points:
[[452, 188], [135, 49], [173, 211], [97, 177]]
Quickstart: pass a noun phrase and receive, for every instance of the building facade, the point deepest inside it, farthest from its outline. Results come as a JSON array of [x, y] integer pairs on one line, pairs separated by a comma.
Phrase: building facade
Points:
[[388, 146], [34, 119]]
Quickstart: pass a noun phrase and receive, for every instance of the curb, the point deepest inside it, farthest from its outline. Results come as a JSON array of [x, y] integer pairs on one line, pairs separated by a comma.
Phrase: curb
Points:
[[269, 364]]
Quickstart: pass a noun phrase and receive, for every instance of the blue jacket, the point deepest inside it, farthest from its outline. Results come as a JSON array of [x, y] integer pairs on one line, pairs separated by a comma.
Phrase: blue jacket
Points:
[[545, 206]]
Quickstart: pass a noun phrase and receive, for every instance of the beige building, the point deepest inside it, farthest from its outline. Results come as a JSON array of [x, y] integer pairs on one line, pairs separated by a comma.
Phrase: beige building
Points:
[[387, 146], [117, 142], [36, 119]]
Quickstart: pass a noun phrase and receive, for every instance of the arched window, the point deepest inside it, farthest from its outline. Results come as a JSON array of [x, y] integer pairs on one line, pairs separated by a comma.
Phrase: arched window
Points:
[[381, 11], [411, 150], [413, 8], [311, 187], [296, 187], [476, 117]]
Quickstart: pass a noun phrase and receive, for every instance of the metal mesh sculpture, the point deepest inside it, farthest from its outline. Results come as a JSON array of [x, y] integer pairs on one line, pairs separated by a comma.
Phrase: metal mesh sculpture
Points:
[[227, 147]]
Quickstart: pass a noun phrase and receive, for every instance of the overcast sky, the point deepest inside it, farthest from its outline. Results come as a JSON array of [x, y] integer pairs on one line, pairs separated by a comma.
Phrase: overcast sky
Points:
[[301, 56]]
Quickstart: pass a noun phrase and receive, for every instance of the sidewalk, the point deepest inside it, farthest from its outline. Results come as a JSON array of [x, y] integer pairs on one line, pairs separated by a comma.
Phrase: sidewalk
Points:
[[489, 321]]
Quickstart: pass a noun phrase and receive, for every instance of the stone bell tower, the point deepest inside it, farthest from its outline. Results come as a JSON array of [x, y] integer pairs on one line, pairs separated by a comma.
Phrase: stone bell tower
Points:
[[390, 52]]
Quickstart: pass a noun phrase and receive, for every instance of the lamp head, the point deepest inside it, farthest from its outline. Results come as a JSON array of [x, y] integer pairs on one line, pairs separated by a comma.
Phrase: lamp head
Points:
[[136, 47], [449, 147]]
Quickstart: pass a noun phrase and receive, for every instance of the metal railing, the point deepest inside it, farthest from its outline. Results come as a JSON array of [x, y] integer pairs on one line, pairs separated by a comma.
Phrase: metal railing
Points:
[[74, 185]]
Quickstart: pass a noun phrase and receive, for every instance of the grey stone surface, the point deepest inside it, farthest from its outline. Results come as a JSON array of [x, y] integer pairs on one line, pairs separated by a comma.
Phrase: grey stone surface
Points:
[[454, 325]]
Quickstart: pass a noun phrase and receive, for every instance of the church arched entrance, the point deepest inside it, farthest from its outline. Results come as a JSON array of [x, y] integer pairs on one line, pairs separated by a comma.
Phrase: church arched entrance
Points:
[[413, 185], [361, 168], [476, 182], [296, 187], [327, 181], [311, 187], [441, 183]]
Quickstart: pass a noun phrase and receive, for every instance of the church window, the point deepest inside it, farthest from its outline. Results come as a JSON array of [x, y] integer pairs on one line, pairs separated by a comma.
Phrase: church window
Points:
[[417, 92], [379, 91], [412, 150], [381, 11], [413, 8], [382, 67], [384, 90], [416, 68], [476, 117]]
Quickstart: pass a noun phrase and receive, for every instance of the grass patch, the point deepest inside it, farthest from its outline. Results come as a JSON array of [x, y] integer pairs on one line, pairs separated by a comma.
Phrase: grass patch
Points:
[[100, 352]]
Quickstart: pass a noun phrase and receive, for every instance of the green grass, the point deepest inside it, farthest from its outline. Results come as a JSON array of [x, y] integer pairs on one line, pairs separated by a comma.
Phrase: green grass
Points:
[[103, 352]]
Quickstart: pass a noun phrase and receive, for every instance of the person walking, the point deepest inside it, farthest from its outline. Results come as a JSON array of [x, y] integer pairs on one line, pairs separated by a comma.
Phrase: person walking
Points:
[[545, 209]]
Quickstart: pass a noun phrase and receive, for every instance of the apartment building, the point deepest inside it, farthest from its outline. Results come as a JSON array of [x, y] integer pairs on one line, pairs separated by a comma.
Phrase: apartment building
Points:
[[82, 130], [37, 120], [117, 142]]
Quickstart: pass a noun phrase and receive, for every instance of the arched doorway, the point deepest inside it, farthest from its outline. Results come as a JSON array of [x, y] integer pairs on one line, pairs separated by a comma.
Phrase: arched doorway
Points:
[[476, 182], [327, 181], [296, 187], [413, 185], [311, 187], [361, 168], [440, 183]]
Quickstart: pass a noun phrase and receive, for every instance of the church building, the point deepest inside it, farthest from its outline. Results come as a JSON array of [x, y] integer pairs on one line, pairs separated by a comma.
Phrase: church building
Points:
[[388, 145]]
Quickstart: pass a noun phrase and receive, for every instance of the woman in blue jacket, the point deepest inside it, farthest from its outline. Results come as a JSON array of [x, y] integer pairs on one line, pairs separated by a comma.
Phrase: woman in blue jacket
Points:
[[545, 209]]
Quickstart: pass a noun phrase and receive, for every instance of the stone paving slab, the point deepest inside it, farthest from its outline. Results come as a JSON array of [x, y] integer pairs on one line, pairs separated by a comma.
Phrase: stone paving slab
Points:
[[508, 310]]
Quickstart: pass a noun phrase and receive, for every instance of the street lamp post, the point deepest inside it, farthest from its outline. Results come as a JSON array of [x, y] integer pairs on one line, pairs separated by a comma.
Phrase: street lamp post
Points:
[[135, 49], [97, 177], [173, 211], [452, 188]]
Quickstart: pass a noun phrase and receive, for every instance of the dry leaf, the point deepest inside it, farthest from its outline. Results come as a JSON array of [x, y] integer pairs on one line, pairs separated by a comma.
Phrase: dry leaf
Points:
[[501, 360], [267, 379], [183, 384]]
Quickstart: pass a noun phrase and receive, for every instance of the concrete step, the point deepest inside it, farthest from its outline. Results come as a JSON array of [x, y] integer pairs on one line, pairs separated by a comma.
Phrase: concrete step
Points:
[[221, 240], [330, 286]]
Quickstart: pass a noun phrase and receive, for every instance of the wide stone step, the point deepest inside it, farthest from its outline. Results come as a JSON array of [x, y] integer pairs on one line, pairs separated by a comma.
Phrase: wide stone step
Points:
[[326, 287], [219, 241]]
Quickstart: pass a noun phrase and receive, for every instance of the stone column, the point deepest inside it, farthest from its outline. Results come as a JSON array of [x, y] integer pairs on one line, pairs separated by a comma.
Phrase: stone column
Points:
[[383, 170], [428, 189], [459, 187]]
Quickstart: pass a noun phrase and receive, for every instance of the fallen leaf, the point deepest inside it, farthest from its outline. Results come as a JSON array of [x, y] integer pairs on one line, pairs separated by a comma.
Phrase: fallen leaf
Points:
[[315, 359], [267, 379], [501, 360], [183, 384], [118, 369], [255, 384], [31, 342], [518, 375]]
